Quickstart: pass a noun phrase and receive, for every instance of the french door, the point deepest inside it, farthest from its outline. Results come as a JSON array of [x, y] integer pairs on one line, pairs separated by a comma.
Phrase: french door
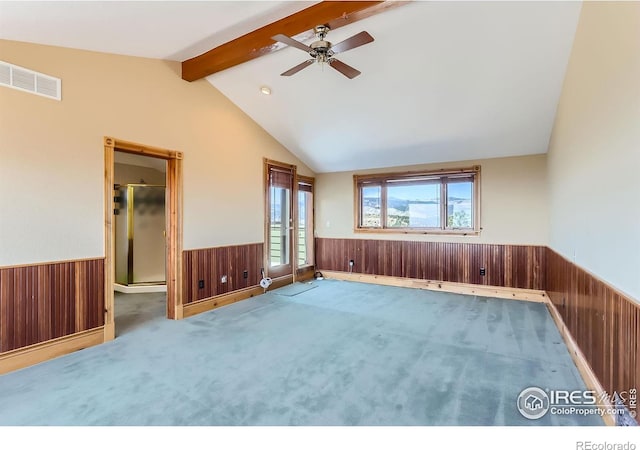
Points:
[[305, 229], [280, 225]]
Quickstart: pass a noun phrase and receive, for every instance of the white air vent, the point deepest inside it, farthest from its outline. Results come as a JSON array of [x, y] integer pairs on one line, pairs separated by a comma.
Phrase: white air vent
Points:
[[17, 77], [5, 73]]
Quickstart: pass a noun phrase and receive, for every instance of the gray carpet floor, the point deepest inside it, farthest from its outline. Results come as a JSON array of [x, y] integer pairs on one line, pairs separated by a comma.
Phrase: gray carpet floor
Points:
[[339, 354]]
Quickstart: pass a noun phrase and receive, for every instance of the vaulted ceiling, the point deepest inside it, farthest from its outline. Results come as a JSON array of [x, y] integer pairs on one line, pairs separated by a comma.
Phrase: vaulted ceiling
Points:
[[443, 81], [174, 30]]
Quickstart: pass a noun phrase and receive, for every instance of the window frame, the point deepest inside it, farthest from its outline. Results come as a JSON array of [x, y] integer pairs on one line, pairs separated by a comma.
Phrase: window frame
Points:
[[443, 177]]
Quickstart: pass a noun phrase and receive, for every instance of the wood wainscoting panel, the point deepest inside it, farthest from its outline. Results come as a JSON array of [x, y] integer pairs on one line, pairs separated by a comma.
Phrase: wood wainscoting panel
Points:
[[604, 322], [89, 301], [47, 301], [513, 266], [211, 264]]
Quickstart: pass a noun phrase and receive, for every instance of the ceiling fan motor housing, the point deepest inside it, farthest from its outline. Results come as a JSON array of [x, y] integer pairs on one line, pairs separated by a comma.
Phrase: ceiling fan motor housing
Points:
[[320, 46], [322, 51]]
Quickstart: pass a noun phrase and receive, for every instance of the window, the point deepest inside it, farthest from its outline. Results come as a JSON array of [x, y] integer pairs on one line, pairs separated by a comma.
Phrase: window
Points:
[[446, 201]]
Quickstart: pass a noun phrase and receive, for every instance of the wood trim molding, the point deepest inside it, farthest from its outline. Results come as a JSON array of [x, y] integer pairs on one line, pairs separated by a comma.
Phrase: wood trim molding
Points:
[[173, 227], [109, 241], [207, 304], [141, 149], [257, 43], [47, 263], [273, 162], [231, 245], [267, 164], [477, 200], [295, 239], [37, 353], [306, 179], [529, 295], [383, 176], [583, 366], [300, 272], [438, 231], [305, 273], [280, 282], [174, 240]]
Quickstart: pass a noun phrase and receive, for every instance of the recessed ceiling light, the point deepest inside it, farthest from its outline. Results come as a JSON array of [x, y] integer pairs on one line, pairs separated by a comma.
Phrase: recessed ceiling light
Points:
[[265, 90]]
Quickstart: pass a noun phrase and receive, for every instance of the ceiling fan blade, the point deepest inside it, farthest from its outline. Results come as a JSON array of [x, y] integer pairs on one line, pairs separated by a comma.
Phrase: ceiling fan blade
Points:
[[353, 42], [292, 42], [297, 68], [344, 69]]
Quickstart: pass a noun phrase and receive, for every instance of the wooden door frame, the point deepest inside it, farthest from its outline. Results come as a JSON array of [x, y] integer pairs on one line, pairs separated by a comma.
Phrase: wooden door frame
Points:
[[300, 272], [173, 226], [294, 192]]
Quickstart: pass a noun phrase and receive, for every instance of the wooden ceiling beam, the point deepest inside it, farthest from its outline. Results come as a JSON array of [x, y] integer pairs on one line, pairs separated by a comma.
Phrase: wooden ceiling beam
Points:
[[257, 43]]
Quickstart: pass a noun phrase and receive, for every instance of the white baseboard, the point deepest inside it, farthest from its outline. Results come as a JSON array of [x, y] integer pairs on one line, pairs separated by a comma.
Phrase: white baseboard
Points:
[[140, 289]]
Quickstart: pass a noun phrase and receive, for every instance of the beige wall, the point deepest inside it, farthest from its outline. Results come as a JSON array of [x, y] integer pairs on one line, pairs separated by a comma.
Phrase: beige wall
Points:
[[594, 154], [513, 203], [51, 153]]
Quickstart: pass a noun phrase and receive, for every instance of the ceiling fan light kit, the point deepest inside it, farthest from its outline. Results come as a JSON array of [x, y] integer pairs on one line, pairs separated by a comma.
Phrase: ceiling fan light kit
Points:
[[323, 51]]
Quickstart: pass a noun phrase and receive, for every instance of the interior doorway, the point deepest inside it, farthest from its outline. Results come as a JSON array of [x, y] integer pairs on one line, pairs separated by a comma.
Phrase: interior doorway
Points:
[[139, 224], [143, 199]]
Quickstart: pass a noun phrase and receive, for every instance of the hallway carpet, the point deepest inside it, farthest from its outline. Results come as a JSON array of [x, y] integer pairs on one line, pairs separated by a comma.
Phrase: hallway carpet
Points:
[[340, 354]]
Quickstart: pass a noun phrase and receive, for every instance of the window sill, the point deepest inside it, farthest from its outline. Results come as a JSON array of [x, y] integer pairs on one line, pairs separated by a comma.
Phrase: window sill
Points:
[[418, 231]]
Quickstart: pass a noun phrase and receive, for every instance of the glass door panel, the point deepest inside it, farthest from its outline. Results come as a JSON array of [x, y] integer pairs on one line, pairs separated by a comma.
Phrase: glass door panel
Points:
[[280, 222], [304, 245]]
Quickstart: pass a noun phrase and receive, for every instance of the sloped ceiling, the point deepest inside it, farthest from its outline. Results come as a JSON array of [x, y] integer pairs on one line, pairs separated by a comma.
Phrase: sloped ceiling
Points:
[[174, 30], [443, 81]]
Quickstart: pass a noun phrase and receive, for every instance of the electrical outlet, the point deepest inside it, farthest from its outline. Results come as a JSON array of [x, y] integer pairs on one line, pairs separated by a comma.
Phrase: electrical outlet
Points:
[[223, 279], [200, 284], [483, 271], [245, 274]]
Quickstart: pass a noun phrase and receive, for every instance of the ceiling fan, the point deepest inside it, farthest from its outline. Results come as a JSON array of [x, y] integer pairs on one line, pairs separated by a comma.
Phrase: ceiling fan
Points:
[[322, 51]]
